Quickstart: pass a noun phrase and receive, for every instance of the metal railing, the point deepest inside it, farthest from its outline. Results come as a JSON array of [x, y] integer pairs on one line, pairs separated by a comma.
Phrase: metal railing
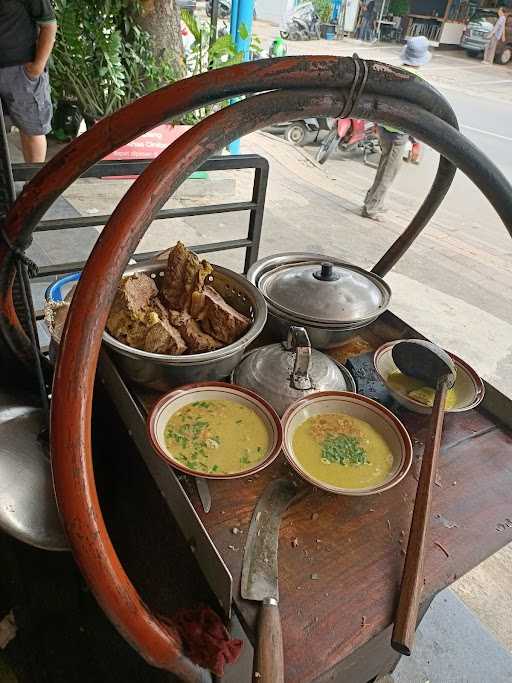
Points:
[[112, 169]]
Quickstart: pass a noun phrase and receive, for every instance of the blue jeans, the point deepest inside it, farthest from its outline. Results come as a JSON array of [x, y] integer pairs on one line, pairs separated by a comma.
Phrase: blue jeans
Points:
[[366, 30]]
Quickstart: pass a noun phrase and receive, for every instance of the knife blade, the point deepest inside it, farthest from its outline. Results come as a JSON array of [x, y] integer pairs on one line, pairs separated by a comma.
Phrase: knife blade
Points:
[[204, 493], [260, 577]]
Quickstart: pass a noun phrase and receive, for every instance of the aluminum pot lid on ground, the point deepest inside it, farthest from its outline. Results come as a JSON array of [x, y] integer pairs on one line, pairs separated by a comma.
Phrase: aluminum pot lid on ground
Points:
[[322, 291], [282, 373]]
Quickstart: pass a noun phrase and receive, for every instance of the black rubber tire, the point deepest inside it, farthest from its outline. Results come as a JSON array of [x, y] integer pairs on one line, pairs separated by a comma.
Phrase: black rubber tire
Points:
[[284, 35], [297, 134], [329, 145], [506, 56]]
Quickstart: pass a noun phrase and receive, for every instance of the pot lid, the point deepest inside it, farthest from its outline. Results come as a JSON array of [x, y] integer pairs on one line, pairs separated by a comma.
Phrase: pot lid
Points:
[[283, 373], [325, 292]]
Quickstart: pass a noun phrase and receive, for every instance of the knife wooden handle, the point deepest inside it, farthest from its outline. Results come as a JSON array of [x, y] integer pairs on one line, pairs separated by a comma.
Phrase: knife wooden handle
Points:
[[268, 664]]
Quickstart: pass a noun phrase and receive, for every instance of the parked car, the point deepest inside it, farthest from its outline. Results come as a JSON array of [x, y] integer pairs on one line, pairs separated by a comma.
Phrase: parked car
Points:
[[476, 36], [189, 5]]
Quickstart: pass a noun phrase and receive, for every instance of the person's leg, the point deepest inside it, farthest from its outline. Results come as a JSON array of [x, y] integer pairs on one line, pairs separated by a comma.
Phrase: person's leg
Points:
[[33, 148], [29, 105], [490, 51], [392, 147]]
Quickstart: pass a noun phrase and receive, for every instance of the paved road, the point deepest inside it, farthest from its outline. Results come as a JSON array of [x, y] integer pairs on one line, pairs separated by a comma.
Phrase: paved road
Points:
[[487, 123]]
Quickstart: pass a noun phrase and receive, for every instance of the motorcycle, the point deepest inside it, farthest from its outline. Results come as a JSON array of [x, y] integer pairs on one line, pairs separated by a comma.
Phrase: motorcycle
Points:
[[348, 134], [302, 23], [224, 9], [302, 131]]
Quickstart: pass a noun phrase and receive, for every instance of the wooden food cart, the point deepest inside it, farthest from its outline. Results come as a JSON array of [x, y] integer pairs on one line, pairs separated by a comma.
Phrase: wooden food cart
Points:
[[339, 583]]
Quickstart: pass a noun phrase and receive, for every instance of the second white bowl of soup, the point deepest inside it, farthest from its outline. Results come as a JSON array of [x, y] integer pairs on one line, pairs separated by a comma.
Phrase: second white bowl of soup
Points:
[[346, 443]]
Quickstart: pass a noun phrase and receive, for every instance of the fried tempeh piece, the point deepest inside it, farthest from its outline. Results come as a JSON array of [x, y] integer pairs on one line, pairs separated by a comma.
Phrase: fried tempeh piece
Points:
[[217, 317], [184, 274]]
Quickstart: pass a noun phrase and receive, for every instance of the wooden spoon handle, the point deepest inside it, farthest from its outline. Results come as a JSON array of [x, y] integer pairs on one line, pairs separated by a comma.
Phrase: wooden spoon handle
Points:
[[412, 579], [268, 658]]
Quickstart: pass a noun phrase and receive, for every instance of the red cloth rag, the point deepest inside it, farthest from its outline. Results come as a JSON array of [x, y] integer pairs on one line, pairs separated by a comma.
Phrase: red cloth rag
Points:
[[206, 640]]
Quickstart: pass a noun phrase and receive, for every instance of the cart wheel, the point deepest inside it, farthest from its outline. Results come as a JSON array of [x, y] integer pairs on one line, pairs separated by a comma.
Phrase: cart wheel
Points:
[[297, 133], [505, 56], [328, 146], [284, 35]]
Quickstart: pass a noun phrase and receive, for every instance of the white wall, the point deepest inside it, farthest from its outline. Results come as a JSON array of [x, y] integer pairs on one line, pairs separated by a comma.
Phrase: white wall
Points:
[[272, 10], [452, 33]]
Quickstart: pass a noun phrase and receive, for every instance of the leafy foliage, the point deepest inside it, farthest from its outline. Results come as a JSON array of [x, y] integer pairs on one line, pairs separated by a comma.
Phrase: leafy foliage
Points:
[[324, 10], [102, 60], [398, 8], [204, 56]]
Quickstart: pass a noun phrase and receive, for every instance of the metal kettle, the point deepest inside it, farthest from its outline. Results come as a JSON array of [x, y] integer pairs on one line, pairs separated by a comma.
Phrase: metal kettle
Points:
[[283, 373]]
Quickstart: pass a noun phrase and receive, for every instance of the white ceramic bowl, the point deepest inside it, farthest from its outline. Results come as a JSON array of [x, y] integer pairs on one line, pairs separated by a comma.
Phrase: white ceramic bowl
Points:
[[363, 408], [209, 391], [468, 384]]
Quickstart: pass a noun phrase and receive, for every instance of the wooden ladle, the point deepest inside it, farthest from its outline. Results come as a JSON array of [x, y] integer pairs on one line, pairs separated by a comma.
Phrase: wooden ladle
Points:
[[427, 362]]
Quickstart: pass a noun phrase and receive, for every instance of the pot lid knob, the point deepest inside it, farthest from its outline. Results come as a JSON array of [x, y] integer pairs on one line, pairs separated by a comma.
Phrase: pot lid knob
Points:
[[326, 274]]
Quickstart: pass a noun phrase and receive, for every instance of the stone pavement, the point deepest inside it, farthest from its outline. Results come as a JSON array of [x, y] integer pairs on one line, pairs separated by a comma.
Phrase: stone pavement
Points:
[[452, 647]]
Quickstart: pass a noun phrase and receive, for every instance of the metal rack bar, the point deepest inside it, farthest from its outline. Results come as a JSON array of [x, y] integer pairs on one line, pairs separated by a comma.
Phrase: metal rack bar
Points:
[[112, 169]]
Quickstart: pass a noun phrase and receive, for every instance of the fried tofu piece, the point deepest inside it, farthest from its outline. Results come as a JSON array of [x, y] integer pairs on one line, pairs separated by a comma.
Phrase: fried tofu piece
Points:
[[184, 275], [197, 341], [217, 317]]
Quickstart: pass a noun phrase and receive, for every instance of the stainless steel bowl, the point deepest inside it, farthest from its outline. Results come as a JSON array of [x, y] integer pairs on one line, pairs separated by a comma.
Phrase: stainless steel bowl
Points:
[[162, 372]]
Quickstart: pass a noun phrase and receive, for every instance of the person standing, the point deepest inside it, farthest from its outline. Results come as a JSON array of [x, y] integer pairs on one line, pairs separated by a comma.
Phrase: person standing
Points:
[[497, 33], [27, 35], [366, 31], [392, 141]]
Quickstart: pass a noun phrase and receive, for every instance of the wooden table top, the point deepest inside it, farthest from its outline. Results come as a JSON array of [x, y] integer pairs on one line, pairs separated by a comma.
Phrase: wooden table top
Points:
[[341, 558]]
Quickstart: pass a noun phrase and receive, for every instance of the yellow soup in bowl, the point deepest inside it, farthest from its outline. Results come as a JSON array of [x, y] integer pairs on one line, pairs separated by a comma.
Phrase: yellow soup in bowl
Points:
[[217, 437], [416, 389], [342, 451]]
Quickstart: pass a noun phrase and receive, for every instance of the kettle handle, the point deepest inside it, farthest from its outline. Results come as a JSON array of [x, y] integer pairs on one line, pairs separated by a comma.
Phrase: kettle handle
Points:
[[298, 342]]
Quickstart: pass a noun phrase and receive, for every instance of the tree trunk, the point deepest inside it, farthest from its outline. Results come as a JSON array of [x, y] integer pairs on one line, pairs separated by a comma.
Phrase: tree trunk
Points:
[[161, 19]]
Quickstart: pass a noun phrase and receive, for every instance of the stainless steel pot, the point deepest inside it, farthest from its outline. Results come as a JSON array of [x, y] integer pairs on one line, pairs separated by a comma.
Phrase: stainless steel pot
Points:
[[161, 372], [320, 337], [284, 373], [330, 298]]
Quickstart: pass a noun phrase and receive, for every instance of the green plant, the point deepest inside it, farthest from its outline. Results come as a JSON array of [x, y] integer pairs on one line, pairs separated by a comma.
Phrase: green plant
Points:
[[204, 56], [398, 8], [102, 60], [324, 10]]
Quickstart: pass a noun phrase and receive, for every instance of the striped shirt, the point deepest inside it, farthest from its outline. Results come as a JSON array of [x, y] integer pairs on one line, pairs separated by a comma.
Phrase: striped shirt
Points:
[[499, 27]]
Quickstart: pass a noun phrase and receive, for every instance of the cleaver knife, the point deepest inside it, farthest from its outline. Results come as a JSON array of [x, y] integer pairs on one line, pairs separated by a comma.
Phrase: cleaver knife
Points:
[[259, 578]]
